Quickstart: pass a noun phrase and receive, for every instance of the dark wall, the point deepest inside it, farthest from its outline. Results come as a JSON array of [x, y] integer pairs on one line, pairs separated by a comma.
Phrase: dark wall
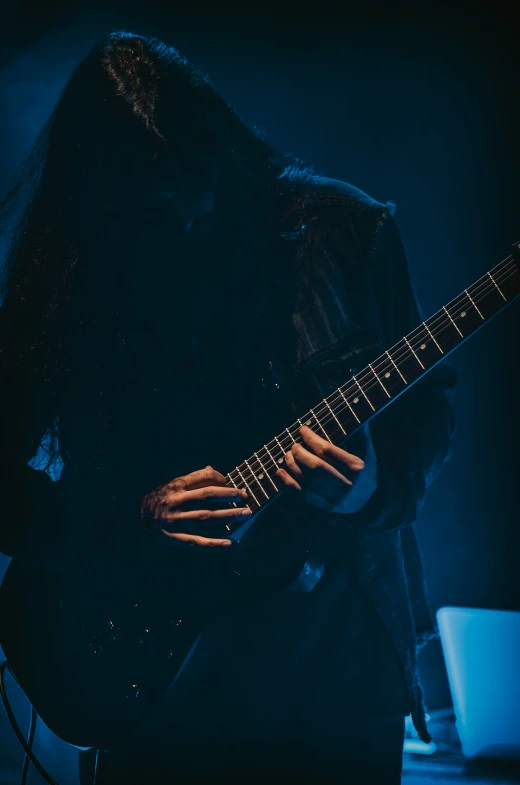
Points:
[[414, 106]]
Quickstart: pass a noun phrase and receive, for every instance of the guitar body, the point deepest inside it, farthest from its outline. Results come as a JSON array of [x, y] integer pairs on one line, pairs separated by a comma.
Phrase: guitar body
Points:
[[94, 651]]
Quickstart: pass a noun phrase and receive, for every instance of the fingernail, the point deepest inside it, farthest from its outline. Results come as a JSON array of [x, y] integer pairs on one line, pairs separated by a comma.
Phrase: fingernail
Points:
[[360, 465], [226, 543], [246, 512]]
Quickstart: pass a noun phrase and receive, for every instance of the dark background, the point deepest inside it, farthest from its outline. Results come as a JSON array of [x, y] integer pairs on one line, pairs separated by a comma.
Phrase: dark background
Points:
[[417, 104]]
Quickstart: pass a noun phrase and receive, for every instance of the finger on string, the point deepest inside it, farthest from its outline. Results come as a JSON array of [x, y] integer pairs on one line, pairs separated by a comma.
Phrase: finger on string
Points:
[[292, 466], [323, 449], [288, 480], [485, 288], [207, 517], [442, 318], [208, 493], [310, 463], [199, 479], [194, 539], [461, 304], [385, 362]]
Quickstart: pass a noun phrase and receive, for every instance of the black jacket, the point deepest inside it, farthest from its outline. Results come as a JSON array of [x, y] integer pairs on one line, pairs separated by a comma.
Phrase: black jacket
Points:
[[353, 299], [350, 298]]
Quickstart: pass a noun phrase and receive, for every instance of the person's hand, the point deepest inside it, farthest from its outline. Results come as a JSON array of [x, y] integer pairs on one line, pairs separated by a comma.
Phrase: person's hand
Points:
[[194, 501], [328, 476]]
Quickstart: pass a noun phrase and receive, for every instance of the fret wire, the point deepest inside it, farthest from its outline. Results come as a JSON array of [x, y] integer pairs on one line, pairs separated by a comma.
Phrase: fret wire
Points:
[[433, 339], [349, 406], [268, 451], [243, 476], [396, 368], [379, 380], [249, 470], [320, 425], [265, 472], [281, 448], [291, 436], [480, 294], [470, 298], [414, 354], [480, 287], [435, 318], [247, 486], [233, 484], [476, 295], [498, 287], [379, 363], [451, 320], [256, 480], [363, 393], [330, 410], [508, 263], [505, 262], [238, 486], [368, 381], [512, 271], [308, 423]]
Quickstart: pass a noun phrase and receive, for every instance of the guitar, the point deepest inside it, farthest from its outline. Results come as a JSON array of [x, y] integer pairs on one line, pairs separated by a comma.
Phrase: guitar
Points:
[[94, 650]]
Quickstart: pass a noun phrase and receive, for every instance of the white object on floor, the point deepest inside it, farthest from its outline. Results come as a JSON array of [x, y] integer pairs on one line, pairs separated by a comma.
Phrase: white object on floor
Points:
[[482, 654]]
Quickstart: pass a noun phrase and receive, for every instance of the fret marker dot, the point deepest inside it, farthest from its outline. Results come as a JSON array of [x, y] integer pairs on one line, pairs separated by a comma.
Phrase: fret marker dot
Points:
[[308, 422], [280, 460], [356, 400], [261, 476], [423, 346], [463, 314], [387, 375]]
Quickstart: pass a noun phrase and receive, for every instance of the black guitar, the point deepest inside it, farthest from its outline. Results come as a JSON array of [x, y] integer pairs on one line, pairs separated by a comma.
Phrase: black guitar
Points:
[[93, 650]]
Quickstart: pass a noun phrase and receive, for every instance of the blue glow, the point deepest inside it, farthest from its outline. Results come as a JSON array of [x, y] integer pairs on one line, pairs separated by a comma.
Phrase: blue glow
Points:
[[418, 747], [482, 654], [40, 460]]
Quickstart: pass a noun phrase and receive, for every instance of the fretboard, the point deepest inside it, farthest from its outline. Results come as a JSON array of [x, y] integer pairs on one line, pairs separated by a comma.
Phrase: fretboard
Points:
[[370, 391]]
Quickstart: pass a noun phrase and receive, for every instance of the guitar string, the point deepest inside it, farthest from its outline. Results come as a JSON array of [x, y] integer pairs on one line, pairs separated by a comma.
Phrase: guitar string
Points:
[[426, 326], [425, 338], [485, 285], [386, 363]]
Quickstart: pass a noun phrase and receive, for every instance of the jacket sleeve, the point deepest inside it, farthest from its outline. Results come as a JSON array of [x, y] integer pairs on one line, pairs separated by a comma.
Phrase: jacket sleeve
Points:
[[412, 436]]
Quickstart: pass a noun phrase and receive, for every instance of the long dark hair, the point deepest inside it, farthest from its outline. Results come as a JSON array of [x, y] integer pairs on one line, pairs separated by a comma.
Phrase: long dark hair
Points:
[[132, 107]]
